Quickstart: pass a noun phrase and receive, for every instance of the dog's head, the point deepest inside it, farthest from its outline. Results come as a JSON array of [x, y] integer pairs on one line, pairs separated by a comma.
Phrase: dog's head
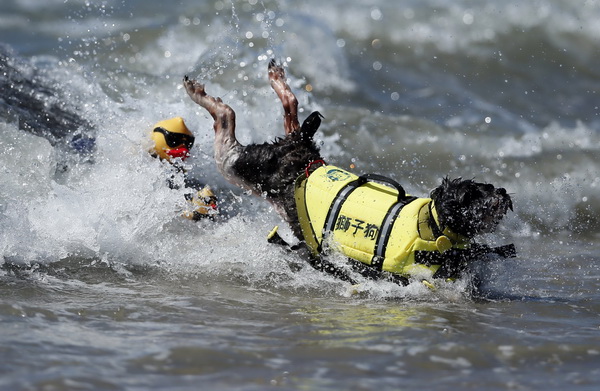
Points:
[[469, 208]]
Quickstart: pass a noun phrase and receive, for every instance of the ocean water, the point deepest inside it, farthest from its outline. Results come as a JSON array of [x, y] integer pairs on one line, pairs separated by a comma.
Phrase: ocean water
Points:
[[103, 286]]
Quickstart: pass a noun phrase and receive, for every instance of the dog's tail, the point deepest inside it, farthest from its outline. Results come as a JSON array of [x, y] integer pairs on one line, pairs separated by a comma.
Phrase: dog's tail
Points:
[[310, 126]]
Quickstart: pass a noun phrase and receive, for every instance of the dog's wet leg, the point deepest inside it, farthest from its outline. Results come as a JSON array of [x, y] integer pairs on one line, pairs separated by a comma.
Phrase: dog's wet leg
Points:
[[226, 146], [321, 263], [223, 115], [287, 97]]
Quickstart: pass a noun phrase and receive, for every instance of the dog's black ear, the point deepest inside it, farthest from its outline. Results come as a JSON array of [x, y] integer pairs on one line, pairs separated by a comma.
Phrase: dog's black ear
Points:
[[311, 125]]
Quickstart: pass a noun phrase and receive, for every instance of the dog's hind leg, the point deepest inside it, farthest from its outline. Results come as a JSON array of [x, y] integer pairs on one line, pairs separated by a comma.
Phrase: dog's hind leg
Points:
[[226, 145], [223, 115], [287, 97]]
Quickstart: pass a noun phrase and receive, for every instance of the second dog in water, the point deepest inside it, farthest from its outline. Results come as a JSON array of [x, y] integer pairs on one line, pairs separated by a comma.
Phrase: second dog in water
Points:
[[384, 232]]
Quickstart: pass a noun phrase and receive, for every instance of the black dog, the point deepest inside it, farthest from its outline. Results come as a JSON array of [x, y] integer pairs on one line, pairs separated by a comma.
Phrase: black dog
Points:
[[286, 172]]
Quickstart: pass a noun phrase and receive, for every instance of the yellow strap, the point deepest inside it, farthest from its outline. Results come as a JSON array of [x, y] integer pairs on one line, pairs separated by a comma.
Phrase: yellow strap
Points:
[[307, 230]]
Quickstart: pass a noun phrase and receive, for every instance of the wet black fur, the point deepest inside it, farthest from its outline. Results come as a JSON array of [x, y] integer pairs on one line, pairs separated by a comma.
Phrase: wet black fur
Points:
[[470, 208], [272, 168]]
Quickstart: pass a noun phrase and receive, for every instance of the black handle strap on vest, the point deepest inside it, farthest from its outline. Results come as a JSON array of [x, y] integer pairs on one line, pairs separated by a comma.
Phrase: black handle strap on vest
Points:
[[383, 179], [344, 193]]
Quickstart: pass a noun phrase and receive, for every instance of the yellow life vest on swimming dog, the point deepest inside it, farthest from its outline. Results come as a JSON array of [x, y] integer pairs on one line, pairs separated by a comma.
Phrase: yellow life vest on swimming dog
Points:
[[376, 224]]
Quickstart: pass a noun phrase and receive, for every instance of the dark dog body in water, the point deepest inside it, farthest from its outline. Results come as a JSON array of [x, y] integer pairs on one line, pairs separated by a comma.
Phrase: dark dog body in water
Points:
[[30, 97], [458, 209]]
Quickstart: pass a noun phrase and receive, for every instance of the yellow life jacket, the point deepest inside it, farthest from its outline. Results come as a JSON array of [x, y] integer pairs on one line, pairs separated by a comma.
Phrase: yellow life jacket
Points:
[[376, 224]]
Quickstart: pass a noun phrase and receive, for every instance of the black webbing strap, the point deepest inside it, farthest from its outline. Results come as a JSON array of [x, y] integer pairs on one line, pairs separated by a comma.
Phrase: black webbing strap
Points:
[[453, 261], [383, 236], [436, 230], [338, 201]]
